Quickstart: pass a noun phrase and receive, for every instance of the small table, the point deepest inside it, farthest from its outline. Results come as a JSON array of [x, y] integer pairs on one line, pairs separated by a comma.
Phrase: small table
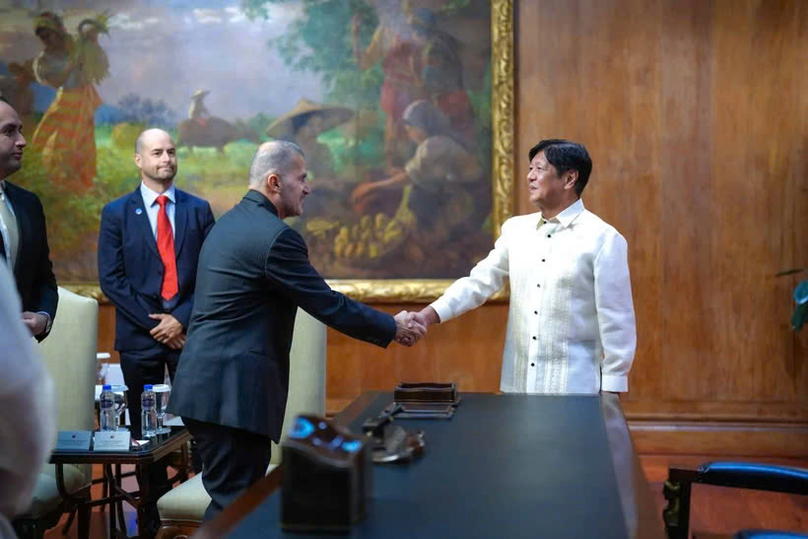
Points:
[[158, 449], [503, 466]]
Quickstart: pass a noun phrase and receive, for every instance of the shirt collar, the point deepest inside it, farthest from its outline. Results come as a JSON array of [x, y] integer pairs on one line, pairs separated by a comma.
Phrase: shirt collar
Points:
[[567, 216], [149, 196]]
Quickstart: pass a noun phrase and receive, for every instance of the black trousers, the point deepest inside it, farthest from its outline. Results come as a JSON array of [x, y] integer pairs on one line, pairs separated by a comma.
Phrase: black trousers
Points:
[[139, 369], [232, 460]]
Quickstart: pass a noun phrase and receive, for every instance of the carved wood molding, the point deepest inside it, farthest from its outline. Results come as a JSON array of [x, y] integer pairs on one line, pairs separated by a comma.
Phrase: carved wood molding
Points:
[[502, 110]]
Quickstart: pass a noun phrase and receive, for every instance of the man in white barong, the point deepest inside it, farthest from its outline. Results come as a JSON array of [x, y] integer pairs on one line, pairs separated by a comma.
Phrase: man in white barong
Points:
[[571, 327]]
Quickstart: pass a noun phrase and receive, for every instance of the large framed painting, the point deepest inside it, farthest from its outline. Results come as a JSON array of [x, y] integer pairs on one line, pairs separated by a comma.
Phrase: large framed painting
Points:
[[403, 108]]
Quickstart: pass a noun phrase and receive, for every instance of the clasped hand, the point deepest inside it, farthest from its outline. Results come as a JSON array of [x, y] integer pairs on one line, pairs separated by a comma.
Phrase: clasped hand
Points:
[[409, 328], [168, 331], [35, 322]]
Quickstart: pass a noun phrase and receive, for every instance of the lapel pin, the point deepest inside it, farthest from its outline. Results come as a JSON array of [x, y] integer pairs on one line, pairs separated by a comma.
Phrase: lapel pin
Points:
[[138, 211]]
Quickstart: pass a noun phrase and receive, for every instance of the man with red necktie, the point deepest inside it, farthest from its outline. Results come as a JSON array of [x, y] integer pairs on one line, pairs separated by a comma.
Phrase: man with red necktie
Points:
[[148, 249]]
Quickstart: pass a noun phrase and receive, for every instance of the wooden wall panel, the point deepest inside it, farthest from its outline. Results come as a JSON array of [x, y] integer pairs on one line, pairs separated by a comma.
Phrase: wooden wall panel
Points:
[[106, 330], [466, 350], [695, 114]]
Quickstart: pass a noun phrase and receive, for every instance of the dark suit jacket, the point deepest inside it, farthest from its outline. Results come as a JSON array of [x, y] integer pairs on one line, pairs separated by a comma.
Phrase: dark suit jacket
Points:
[[254, 272], [33, 272], [130, 270]]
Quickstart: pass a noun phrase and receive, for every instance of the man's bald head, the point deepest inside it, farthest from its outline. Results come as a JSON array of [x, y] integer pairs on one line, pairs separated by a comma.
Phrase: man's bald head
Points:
[[147, 135]]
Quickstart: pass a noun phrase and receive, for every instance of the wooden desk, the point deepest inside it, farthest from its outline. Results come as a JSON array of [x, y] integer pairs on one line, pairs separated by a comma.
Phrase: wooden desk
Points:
[[504, 466], [158, 449]]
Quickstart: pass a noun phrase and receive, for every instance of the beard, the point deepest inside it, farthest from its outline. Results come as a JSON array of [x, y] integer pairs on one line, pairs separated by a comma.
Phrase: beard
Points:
[[163, 175]]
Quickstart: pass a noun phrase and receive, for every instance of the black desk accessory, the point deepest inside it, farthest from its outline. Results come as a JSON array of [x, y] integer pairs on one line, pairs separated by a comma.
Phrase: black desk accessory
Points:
[[327, 477], [427, 392], [398, 446], [424, 400], [391, 443]]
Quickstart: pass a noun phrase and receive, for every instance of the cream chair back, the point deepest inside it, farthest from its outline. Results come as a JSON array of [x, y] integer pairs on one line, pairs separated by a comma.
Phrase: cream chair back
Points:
[[69, 355], [306, 373]]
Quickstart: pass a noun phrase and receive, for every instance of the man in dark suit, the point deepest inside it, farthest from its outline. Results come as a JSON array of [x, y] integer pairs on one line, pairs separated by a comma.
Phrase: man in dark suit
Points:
[[24, 244], [254, 272], [148, 249]]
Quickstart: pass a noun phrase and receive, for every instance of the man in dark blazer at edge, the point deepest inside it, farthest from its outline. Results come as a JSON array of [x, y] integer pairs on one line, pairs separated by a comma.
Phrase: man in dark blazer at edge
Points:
[[254, 272], [147, 266], [24, 242]]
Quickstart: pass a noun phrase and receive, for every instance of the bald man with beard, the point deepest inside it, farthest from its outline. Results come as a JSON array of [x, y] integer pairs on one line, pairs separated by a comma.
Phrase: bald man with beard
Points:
[[148, 249]]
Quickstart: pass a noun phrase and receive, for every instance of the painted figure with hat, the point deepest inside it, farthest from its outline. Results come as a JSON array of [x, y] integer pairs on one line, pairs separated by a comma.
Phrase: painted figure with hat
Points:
[[203, 130], [198, 112], [303, 124]]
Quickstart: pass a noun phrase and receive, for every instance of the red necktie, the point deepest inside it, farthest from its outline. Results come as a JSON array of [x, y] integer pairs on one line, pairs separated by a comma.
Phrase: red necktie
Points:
[[165, 244]]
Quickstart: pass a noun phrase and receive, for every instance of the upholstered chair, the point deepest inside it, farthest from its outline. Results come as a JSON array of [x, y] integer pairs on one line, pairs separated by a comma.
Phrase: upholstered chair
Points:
[[181, 509], [747, 475], [69, 356]]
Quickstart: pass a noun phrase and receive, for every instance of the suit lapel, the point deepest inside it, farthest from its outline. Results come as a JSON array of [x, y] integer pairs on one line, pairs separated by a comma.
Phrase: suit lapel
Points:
[[180, 221], [136, 212]]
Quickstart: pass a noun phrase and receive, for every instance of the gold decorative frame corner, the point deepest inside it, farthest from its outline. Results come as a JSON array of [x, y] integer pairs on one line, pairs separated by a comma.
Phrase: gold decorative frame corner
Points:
[[502, 170]]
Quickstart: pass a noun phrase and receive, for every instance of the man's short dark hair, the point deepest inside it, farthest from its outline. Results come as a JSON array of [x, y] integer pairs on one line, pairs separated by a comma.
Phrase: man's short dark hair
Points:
[[4, 100], [565, 155]]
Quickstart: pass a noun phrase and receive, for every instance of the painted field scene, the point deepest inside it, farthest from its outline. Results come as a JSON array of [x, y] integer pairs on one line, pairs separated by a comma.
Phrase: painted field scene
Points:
[[390, 100]]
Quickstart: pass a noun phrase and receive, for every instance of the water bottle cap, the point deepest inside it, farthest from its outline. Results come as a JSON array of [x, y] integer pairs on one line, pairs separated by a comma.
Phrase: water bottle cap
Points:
[[147, 387], [107, 387]]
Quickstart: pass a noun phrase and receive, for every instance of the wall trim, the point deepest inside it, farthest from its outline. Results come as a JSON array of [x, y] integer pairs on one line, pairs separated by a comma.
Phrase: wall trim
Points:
[[741, 438]]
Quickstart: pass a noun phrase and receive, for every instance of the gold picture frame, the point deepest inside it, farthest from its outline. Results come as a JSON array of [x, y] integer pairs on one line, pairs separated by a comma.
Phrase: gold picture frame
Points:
[[502, 122]]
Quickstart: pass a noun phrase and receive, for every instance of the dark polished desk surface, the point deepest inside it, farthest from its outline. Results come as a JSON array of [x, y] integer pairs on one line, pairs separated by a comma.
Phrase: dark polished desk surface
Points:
[[504, 466]]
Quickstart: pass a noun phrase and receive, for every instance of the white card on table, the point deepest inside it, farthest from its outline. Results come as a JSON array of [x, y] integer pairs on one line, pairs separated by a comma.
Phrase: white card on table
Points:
[[73, 440], [111, 440]]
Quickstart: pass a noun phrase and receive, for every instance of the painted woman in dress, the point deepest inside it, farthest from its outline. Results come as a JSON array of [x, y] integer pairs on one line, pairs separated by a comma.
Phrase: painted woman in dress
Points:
[[66, 134]]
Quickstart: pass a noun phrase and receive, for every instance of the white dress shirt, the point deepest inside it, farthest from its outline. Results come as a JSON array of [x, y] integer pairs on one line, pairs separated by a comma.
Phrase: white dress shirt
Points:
[[4, 226], [27, 408], [571, 318], [153, 208]]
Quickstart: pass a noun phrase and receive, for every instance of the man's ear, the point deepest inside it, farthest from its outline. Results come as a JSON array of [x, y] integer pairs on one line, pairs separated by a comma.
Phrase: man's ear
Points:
[[571, 176], [138, 161], [273, 182]]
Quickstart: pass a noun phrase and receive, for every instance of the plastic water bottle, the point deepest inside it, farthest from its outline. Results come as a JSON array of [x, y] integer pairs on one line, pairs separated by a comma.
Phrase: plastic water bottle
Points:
[[106, 405], [148, 413]]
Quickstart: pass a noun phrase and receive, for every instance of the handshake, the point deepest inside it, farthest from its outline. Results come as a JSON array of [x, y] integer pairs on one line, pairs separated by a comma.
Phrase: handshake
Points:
[[411, 326]]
